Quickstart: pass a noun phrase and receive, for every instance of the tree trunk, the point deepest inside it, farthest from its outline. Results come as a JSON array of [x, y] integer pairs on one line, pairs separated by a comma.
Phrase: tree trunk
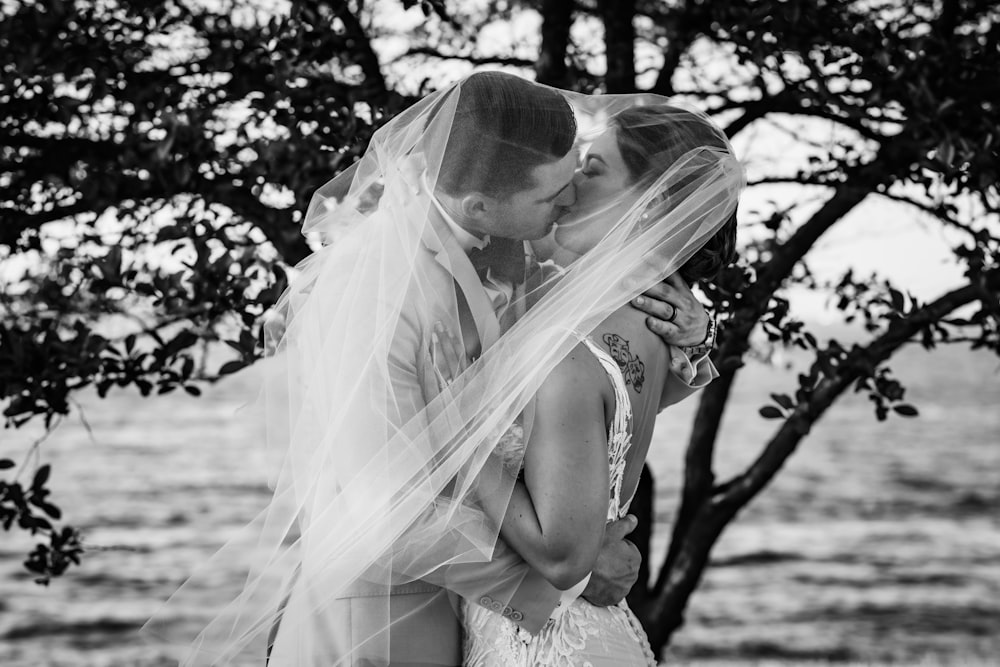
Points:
[[666, 606], [664, 610], [698, 476], [551, 69], [703, 514], [619, 44], [644, 508]]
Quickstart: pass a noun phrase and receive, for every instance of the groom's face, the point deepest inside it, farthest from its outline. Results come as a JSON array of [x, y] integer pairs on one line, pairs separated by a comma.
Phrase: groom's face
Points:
[[529, 214]]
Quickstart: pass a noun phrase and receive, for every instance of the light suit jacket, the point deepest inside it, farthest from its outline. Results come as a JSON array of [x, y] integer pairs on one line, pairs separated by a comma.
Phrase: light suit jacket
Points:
[[425, 626], [426, 630]]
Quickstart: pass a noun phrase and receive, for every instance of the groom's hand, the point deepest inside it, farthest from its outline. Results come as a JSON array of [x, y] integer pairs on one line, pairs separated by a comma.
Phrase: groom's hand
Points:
[[617, 565], [448, 359], [675, 314]]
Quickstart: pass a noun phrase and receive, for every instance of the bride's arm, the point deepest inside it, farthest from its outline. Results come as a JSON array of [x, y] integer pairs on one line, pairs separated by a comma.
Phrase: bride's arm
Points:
[[556, 518]]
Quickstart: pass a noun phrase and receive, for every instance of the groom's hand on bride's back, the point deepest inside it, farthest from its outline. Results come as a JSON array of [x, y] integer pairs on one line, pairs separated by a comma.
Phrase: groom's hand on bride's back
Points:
[[617, 565]]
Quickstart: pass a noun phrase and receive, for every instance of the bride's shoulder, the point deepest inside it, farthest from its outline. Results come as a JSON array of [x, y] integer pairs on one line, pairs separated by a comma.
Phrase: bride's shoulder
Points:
[[630, 323], [575, 371], [580, 361]]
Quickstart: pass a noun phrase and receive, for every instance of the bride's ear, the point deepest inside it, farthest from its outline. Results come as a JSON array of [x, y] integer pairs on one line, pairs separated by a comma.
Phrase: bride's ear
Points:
[[660, 199], [656, 205]]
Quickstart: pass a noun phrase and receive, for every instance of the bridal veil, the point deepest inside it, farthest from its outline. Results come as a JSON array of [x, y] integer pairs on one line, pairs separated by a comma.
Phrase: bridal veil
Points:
[[380, 476]]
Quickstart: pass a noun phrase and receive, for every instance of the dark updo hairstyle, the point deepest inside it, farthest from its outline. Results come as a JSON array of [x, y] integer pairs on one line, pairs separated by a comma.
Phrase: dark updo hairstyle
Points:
[[504, 126], [651, 139]]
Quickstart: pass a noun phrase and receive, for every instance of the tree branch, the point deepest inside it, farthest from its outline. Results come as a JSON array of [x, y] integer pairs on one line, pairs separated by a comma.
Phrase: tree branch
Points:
[[801, 179], [790, 101], [676, 585], [14, 225], [936, 211], [475, 60], [861, 181], [734, 342], [276, 224], [91, 147], [797, 425]]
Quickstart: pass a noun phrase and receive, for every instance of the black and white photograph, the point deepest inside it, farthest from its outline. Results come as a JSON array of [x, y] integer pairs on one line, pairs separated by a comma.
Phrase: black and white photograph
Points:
[[500, 333]]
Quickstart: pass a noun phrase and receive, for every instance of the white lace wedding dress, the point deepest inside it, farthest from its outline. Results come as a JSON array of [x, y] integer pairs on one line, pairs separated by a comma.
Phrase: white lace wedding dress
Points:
[[581, 634]]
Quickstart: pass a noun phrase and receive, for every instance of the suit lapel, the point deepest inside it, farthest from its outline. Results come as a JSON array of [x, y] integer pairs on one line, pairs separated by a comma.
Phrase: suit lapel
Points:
[[518, 306], [515, 309], [449, 255], [519, 301]]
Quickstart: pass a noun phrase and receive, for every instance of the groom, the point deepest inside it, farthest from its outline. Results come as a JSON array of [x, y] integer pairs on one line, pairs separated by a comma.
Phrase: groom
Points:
[[505, 177]]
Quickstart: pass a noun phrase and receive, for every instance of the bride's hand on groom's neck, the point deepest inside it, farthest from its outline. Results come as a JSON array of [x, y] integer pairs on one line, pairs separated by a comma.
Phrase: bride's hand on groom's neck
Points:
[[675, 314]]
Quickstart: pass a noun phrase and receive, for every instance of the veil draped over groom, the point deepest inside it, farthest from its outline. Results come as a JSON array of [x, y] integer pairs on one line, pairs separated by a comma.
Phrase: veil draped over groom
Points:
[[383, 476]]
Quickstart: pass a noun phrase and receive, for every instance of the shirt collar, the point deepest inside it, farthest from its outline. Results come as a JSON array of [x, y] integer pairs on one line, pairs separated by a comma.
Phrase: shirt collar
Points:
[[466, 240]]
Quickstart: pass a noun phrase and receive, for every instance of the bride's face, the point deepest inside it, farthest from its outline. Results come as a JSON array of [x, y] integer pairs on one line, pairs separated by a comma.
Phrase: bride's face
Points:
[[601, 185]]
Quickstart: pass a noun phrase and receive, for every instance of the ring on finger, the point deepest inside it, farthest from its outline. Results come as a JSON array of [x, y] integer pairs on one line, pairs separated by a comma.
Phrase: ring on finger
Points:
[[673, 313]]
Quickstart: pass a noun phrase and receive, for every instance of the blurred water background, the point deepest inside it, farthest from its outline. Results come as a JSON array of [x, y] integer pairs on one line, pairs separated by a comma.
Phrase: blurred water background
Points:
[[879, 542]]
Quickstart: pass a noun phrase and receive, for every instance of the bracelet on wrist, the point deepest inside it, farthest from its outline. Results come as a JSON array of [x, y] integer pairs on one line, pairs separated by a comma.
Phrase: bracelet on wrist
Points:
[[706, 344]]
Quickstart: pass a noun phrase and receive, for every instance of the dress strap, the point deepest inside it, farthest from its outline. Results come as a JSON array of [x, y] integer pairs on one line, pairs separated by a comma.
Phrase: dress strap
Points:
[[619, 432], [623, 406]]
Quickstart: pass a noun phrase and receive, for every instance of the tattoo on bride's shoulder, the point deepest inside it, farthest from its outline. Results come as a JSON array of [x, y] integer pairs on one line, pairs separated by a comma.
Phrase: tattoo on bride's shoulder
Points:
[[631, 366]]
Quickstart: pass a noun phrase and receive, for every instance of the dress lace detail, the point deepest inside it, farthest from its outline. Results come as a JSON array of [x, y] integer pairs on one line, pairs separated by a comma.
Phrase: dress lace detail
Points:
[[582, 635]]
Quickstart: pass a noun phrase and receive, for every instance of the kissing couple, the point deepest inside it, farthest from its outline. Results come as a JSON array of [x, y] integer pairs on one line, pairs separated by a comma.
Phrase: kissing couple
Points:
[[462, 393]]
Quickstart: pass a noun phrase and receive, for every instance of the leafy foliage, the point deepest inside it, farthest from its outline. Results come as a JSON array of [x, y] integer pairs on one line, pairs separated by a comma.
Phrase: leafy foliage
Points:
[[29, 509], [156, 160]]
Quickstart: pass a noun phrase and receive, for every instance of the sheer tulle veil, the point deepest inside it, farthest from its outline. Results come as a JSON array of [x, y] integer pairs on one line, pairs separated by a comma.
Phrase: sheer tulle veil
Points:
[[381, 476]]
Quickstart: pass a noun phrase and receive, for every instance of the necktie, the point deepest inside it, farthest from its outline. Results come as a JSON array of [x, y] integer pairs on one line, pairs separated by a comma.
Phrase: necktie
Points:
[[503, 257]]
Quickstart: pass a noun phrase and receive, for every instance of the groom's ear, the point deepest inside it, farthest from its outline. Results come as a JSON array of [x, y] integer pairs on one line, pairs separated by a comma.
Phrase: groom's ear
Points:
[[476, 206]]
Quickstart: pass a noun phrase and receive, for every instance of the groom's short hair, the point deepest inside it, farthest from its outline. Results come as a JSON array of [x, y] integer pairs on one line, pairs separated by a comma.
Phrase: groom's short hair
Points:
[[504, 126]]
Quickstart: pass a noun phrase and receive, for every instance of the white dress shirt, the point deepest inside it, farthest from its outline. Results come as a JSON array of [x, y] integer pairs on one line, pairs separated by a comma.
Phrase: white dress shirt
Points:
[[498, 290]]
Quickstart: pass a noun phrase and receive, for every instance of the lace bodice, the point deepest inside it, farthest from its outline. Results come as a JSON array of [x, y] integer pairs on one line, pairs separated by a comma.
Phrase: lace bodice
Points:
[[619, 433], [581, 634]]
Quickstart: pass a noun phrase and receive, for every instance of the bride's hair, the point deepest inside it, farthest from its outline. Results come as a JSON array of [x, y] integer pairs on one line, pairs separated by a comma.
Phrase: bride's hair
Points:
[[653, 138], [503, 127]]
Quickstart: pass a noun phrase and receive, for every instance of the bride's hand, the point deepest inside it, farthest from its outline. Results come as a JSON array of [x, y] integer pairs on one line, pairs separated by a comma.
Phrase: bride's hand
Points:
[[447, 356], [675, 314]]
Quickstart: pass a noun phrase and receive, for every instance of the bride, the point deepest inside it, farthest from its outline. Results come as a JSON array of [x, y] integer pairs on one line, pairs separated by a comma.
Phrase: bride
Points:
[[593, 414]]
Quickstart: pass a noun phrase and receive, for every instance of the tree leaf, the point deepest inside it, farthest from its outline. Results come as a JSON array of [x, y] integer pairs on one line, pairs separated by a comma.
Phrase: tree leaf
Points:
[[784, 401], [906, 410], [49, 509], [771, 412], [231, 367], [41, 476]]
